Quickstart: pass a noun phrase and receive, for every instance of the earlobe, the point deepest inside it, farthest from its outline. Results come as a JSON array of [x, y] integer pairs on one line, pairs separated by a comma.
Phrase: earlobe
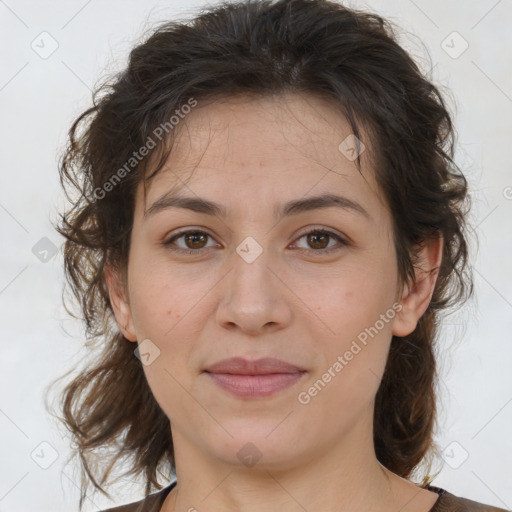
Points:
[[119, 302], [416, 296]]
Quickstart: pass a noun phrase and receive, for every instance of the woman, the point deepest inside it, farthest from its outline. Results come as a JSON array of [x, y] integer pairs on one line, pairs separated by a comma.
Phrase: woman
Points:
[[269, 228]]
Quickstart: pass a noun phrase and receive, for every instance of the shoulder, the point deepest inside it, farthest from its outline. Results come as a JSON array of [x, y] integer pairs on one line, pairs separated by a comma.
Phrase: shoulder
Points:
[[151, 503], [449, 502], [147, 504]]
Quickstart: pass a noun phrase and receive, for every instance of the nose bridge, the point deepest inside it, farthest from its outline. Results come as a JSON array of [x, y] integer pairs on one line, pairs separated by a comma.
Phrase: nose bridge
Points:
[[250, 263], [251, 297]]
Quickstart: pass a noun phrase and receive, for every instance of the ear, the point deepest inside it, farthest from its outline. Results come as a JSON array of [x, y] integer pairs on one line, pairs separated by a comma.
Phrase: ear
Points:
[[119, 301], [416, 296]]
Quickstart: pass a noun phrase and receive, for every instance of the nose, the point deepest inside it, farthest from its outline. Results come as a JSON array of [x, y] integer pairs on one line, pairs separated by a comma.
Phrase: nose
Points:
[[254, 298]]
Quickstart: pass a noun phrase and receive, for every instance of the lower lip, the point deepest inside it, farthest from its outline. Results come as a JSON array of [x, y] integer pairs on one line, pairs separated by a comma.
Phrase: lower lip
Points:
[[255, 385]]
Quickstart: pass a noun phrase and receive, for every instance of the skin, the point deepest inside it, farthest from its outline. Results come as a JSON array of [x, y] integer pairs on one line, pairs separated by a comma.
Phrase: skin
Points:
[[293, 302]]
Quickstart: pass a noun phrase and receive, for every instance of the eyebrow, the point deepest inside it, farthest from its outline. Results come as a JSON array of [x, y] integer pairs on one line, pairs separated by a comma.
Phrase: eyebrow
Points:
[[294, 207]]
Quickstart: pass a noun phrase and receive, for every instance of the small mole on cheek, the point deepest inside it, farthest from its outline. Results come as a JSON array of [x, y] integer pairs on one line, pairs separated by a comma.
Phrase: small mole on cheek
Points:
[[169, 313]]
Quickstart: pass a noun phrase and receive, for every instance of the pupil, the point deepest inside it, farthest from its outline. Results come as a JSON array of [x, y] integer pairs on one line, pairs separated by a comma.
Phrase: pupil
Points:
[[191, 236], [313, 239], [316, 236]]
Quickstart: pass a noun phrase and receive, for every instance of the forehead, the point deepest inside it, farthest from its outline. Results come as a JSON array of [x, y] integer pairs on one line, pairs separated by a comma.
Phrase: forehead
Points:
[[283, 145]]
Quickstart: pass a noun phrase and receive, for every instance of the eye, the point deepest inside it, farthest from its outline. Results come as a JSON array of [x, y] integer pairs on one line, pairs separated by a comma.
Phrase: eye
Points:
[[195, 241], [319, 239]]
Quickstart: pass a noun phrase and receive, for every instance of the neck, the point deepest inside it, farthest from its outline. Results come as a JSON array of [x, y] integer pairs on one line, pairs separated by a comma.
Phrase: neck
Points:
[[348, 475]]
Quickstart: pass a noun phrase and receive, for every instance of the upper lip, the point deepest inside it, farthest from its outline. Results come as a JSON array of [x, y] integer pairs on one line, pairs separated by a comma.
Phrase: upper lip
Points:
[[263, 366]]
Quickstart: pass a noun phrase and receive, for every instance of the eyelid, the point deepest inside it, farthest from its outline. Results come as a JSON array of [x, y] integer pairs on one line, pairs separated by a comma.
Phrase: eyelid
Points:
[[184, 231], [342, 241], [320, 228]]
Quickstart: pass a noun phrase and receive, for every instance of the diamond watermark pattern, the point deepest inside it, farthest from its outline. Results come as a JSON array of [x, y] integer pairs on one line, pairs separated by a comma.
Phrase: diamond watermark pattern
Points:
[[45, 45], [249, 454], [455, 455], [351, 147], [147, 352], [44, 250], [44, 455], [454, 45], [249, 249]]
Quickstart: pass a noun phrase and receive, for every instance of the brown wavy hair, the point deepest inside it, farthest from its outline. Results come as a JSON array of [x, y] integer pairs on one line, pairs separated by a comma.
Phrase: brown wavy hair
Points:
[[353, 59]]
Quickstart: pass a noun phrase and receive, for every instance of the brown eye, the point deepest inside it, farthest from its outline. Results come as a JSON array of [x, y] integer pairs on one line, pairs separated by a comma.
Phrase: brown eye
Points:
[[193, 241], [318, 240]]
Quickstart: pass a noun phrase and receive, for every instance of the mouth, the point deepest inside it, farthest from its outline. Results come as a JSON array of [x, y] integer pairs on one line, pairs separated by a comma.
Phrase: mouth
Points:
[[258, 378]]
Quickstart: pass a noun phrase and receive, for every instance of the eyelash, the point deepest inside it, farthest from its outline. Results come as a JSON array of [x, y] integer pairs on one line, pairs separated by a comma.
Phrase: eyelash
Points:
[[316, 231]]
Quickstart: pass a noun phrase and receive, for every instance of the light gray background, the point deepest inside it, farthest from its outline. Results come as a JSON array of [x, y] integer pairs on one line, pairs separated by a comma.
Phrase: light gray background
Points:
[[39, 98]]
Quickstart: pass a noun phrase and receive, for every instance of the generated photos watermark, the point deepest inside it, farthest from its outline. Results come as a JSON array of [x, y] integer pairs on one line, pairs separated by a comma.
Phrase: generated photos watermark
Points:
[[304, 397], [158, 133]]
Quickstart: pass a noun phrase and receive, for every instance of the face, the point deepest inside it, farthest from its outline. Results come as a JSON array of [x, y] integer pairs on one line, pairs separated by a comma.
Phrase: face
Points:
[[315, 287]]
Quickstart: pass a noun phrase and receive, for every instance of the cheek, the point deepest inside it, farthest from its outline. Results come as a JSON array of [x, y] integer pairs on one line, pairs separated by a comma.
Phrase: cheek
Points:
[[163, 308], [347, 302], [355, 316], [167, 309], [352, 360], [160, 296]]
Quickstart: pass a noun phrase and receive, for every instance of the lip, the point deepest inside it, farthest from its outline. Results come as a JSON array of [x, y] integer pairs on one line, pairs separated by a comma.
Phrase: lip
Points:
[[262, 366], [257, 378]]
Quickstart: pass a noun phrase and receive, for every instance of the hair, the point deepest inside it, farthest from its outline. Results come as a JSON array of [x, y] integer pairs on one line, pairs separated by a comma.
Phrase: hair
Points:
[[316, 47]]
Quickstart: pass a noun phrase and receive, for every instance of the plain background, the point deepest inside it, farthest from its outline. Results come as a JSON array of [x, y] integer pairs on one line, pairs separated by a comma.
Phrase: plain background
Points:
[[41, 93]]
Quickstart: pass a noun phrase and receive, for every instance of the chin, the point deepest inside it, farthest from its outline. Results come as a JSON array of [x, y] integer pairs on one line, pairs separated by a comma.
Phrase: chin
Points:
[[256, 449]]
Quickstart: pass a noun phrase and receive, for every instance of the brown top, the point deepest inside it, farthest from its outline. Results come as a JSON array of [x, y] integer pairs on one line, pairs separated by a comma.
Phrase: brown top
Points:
[[445, 503]]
